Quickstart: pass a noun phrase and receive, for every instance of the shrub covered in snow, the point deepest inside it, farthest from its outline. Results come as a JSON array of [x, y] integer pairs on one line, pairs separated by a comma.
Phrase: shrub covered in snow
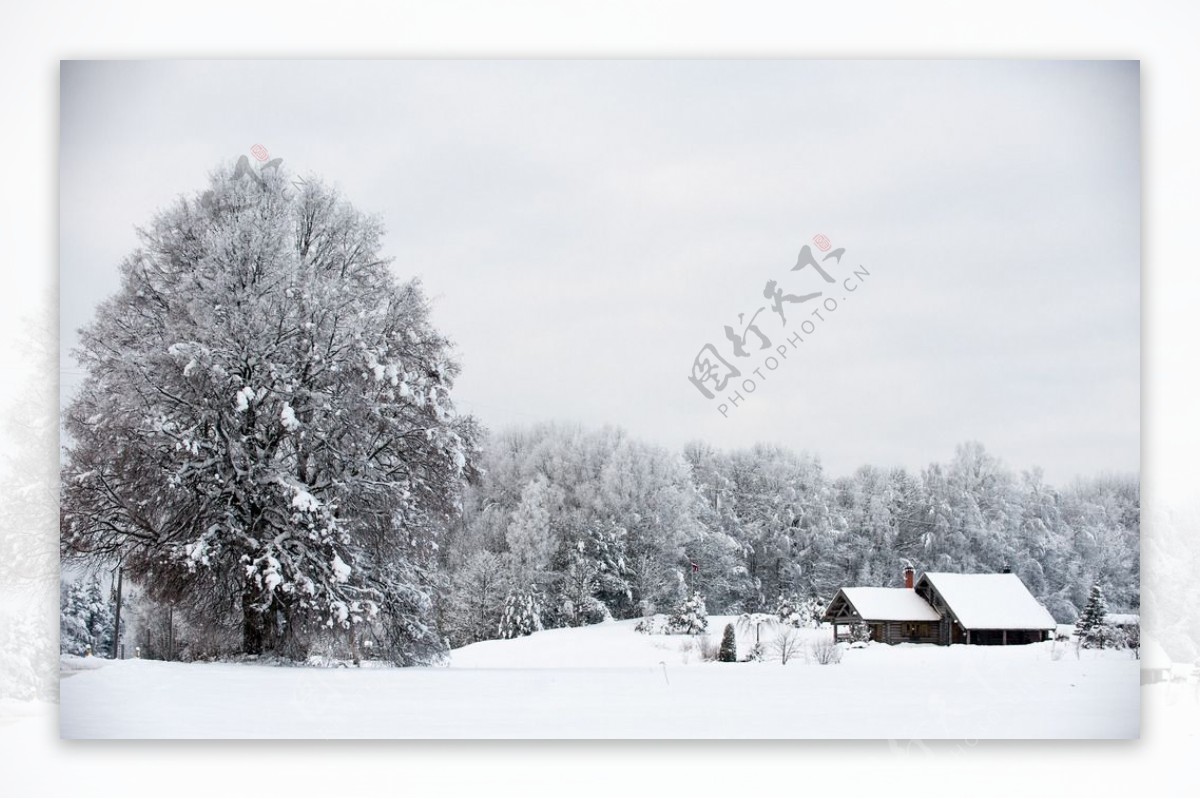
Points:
[[825, 652], [788, 610], [860, 633], [728, 652], [1107, 636], [656, 624], [786, 644]]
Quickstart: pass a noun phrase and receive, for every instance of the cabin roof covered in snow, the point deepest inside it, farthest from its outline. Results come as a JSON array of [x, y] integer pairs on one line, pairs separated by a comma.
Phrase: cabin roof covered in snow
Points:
[[890, 604], [990, 601]]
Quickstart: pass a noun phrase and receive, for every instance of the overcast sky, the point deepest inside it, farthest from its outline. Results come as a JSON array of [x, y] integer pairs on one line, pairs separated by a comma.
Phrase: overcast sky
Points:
[[585, 228]]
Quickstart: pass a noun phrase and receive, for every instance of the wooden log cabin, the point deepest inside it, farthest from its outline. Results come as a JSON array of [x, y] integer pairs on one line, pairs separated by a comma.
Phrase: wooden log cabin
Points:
[[944, 608]]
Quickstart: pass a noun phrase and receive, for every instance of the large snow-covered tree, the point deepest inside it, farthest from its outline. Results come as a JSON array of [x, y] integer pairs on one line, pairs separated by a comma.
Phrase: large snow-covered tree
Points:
[[266, 430]]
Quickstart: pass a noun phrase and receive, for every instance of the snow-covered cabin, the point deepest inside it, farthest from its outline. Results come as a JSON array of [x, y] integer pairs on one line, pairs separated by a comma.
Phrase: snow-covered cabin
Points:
[[945, 608], [986, 608], [893, 615]]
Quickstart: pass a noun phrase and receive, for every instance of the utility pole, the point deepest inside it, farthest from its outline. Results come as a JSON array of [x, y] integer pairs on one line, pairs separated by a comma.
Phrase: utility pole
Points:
[[117, 629]]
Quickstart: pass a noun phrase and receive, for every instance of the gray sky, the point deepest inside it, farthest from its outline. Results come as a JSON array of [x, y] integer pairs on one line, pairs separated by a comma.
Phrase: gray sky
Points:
[[586, 227]]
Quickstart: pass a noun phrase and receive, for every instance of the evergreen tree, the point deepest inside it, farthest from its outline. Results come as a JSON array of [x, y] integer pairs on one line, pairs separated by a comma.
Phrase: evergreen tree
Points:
[[728, 653], [522, 615], [1090, 628], [86, 619], [691, 617], [580, 582]]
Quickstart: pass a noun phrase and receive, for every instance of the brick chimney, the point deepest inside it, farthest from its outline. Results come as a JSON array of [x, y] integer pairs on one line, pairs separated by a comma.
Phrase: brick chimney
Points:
[[908, 576]]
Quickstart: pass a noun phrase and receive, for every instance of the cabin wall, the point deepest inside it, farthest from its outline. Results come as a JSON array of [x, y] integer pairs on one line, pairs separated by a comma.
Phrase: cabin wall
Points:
[[947, 630], [1009, 637], [903, 632]]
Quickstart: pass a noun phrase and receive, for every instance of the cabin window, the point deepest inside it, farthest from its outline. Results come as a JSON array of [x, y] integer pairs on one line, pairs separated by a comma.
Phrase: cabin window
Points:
[[917, 629]]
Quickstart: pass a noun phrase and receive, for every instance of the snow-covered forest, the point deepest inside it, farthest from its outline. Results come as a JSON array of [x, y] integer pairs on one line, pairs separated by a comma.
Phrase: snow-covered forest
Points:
[[267, 444], [595, 523]]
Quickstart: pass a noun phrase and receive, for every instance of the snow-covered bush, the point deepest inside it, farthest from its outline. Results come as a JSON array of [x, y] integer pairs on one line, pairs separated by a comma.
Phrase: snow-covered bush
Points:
[[728, 650], [786, 644], [757, 653], [1106, 636], [788, 610], [710, 648], [691, 617], [825, 652], [656, 624], [860, 633]]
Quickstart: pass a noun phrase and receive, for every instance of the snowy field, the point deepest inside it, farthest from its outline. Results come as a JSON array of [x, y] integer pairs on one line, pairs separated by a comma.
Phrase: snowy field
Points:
[[608, 681]]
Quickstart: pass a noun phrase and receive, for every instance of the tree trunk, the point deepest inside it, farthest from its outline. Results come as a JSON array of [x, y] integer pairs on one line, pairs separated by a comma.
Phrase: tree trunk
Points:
[[254, 624]]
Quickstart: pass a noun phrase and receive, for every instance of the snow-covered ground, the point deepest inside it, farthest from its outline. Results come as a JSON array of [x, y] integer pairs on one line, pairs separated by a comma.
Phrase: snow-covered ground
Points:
[[609, 681]]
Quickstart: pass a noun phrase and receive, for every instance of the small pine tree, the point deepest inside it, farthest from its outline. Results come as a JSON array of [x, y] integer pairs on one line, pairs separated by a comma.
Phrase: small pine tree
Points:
[[728, 653], [1090, 627], [691, 617], [522, 615]]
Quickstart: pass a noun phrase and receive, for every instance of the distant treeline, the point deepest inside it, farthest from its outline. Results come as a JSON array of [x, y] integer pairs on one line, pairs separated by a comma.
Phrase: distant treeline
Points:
[[567, 526]]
